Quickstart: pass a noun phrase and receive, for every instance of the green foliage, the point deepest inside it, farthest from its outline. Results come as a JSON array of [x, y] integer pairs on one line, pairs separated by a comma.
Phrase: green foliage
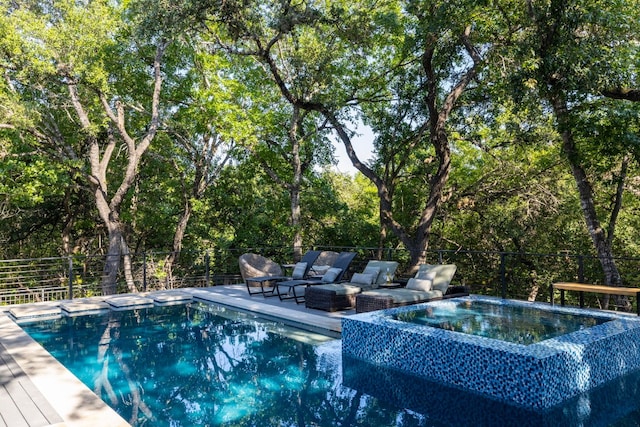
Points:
[[509, 188]]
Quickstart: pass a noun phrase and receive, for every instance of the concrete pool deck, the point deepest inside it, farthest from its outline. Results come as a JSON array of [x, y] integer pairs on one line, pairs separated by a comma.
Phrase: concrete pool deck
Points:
[[37, 391]]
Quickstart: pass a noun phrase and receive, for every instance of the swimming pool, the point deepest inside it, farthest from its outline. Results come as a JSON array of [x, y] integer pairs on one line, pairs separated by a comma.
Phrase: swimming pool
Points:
[[201, 364]]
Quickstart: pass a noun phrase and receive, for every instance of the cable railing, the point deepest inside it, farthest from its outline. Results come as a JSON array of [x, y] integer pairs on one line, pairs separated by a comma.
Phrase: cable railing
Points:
[[515, 275]]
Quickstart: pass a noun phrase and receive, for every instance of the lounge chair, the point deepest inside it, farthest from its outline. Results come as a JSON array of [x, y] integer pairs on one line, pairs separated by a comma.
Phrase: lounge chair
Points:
[[260, 272], [431, 282], [342, 296], [323, 262], [295, 289]]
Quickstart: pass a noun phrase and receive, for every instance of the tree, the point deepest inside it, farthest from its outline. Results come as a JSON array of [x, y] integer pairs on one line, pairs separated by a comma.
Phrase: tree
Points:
[[285, 129], [68, 70], [580, 49]]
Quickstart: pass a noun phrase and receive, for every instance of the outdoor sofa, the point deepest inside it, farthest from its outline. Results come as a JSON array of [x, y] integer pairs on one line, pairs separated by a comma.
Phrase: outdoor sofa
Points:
[[431, 283], [342, 296]]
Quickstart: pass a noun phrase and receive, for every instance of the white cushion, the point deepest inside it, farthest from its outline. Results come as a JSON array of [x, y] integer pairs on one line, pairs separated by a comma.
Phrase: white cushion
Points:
[[338, 288], [362, 278], [299, 270], [423, 285], [426, 274], [405, 296], [331, 275]]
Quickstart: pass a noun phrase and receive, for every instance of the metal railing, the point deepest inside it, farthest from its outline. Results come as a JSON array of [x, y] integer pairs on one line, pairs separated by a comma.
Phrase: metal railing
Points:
[[524, 276]]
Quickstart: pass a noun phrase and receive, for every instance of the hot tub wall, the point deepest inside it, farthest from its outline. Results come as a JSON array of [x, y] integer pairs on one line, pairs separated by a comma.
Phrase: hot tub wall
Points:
[[537, 376]]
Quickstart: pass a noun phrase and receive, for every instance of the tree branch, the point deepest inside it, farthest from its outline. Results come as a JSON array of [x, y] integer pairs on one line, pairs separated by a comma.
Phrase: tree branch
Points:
[[623, 93]]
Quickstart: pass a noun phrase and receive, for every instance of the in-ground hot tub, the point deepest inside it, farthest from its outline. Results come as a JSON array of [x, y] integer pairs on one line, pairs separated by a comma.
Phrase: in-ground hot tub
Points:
[[462, 343]]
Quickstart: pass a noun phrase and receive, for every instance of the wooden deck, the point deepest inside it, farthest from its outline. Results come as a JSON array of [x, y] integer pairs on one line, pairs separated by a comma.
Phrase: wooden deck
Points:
[[21, 403]]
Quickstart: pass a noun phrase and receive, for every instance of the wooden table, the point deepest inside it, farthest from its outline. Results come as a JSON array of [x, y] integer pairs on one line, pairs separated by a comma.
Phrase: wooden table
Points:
[[599, 289]]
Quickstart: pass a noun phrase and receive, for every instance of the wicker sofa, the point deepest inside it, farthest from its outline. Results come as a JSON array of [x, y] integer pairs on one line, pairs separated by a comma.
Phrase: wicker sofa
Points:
[[342, 296], [440, 277]]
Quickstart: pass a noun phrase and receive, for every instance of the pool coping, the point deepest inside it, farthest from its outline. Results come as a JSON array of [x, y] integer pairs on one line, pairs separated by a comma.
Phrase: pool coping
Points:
[[73, 401]]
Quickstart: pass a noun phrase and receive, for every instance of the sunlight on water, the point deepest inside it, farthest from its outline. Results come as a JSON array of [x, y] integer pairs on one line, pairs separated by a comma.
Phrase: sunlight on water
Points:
[[201, 365], [516, 324]]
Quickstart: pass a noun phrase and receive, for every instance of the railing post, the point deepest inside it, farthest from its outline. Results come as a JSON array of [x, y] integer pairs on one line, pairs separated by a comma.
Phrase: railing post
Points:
[[70, 278], [207, 277], [503, 274]]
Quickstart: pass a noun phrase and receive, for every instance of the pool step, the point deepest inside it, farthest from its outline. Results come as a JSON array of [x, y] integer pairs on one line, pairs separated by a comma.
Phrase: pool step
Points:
[[129, 302]]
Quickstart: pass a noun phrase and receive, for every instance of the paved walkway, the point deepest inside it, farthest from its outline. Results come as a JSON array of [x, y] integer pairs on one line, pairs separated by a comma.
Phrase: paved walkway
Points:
[[37, 391]]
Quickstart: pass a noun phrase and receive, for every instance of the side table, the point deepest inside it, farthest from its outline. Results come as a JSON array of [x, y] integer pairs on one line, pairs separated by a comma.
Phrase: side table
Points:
[[390, 285]]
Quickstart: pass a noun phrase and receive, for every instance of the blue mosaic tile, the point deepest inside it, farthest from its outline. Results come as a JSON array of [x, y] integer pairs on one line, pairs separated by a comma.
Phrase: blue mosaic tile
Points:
[[536, 376]]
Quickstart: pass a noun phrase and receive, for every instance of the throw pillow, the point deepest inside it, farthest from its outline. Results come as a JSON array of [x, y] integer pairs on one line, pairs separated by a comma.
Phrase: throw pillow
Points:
[[299, 270], [373, 271], [419, 284], [362, 279], [331, 275]]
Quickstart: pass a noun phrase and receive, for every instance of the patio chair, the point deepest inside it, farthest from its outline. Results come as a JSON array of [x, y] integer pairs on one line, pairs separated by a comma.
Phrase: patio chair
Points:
[[342, 296], [431, 283], [260, 272], [294, 289]]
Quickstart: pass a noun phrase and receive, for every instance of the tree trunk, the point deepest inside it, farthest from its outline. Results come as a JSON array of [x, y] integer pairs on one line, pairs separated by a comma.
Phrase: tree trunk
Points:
[[598, 234], [295, 224], [177, 243], [69, 222], [128, 268], [296, 163], [112, 260]]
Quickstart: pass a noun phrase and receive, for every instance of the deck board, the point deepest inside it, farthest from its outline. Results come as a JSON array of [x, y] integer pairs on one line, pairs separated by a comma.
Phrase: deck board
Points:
[[21, 404]]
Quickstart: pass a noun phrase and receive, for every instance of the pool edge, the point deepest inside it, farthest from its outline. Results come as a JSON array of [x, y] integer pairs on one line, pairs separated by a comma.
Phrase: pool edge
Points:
[[74, 402]]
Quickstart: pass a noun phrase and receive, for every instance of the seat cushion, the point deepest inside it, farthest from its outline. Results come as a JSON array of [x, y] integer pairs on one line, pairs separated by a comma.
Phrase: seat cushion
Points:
[[340, 288], [443, 275], [405, 296], [383, 267]]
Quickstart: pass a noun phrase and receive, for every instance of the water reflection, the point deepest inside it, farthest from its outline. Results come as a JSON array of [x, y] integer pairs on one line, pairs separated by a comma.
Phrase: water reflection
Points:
[[519, 324], [200, 365]]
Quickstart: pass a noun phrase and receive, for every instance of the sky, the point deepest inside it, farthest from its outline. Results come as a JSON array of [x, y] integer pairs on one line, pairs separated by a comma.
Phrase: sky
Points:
[[362, 144]]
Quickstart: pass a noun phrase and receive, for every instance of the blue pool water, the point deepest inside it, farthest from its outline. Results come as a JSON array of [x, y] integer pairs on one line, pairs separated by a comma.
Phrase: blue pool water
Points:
[[519, 324], [202, 365]]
